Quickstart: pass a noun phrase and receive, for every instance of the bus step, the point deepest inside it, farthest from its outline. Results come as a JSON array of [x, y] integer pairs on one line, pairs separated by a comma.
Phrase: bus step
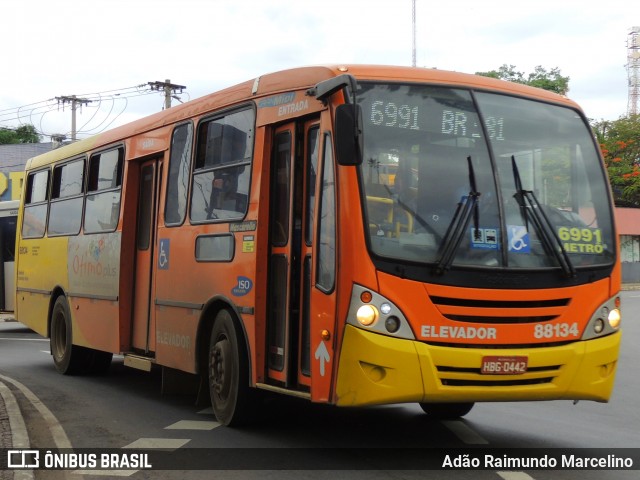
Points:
[[138, 362], [284, 391]]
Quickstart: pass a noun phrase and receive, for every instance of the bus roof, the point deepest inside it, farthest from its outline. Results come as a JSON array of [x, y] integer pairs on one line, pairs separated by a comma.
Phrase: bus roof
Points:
[[284, 81]]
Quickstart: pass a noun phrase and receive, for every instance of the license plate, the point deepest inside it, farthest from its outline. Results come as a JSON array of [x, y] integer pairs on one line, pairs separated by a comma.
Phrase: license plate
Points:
[[504, 365]]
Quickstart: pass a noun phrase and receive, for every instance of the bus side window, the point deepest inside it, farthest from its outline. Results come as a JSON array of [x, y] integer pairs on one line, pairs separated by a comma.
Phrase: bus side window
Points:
[[222, 167], [35, 210], [103, 191], [65, 212], [178, 178]]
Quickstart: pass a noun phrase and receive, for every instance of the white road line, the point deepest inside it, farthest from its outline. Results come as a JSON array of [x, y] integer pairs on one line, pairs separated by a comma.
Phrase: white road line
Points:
[[515, 476], [164, 443], [464, 433], [57, 432], [110, 473], [193, 425]]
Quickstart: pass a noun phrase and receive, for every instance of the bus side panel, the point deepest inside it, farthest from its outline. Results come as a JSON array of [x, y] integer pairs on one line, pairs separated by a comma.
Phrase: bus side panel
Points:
[[40, 264], [95, 323], [93, 266], [32, 309], [178, 306], [186, 283], [175, 337]]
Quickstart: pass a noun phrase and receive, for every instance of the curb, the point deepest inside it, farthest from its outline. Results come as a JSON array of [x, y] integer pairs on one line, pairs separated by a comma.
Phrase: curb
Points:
[[19, 435]]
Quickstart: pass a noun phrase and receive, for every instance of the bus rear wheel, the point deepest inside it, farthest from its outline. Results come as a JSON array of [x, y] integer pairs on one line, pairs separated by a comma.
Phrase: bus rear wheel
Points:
[[446, 410], [68, 358], [228, 372]]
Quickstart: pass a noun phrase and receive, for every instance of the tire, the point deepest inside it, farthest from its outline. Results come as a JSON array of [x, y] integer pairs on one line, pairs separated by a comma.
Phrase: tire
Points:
[[69, 359], [228, 372], [446, 411]]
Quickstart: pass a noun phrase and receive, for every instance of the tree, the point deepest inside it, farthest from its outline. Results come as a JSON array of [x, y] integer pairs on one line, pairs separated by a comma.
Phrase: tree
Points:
[[23, 134], [548, 80], [620, 144]]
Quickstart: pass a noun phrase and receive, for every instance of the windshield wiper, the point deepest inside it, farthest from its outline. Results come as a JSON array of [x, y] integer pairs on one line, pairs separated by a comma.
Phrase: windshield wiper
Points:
[[459, 222], [531, 208]]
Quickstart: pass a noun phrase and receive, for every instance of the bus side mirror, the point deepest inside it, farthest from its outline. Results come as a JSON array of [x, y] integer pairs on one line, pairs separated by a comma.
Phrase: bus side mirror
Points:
[[348, 134]]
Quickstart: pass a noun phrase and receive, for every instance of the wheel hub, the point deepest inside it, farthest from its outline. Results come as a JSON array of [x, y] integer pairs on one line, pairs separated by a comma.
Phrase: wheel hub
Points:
[[220, 377]]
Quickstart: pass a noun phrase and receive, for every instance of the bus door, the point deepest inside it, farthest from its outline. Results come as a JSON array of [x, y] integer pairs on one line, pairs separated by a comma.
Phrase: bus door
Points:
[[292, 312], [143, 311]]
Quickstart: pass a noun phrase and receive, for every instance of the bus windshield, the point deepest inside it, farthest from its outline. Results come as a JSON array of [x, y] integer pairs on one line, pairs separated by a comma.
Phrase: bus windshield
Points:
[[458, 178]]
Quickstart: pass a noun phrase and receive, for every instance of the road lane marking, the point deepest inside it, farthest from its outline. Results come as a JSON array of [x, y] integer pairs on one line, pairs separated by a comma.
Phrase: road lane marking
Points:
[[164, 443], [105, 473], [515, 476], [464, 432], [55, 428], [193, 425]]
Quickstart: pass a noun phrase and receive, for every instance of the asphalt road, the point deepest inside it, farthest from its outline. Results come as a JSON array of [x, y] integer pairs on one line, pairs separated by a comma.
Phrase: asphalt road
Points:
[[126, 410]]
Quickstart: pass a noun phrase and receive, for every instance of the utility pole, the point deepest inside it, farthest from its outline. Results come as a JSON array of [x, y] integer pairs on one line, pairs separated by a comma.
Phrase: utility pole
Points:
[[168, 88], [74, 101], [413, 24], [633, 69]]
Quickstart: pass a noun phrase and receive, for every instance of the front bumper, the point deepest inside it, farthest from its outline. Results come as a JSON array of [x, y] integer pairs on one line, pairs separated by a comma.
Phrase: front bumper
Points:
[[377, 369]]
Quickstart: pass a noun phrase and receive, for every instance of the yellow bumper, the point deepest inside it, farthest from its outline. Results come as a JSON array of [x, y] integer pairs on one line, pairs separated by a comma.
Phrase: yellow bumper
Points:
[[376, 369]]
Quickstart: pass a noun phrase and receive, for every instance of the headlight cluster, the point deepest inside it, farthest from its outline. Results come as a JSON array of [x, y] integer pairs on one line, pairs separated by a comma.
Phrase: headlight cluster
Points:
[[374, 312], [605, 320]]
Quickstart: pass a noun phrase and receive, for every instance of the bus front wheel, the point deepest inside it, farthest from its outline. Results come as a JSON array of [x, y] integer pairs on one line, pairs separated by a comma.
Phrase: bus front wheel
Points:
[[228, 372], [446, 410], [68, 358]]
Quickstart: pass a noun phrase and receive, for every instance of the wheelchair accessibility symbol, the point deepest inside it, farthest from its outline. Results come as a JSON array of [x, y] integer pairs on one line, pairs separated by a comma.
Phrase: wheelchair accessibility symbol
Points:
[[518, 239], [163, 254]]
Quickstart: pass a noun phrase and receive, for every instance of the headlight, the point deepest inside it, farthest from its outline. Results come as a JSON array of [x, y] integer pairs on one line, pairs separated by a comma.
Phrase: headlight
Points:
[[614, 318], [373, 312], [367, 315], [605, 320]]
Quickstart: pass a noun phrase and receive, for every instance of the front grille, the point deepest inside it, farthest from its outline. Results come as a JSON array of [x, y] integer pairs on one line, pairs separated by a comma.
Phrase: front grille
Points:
[[507, 311], [477, 370], [448, 376], [498, 345], [512, 319], [477, 303], [496, 383]]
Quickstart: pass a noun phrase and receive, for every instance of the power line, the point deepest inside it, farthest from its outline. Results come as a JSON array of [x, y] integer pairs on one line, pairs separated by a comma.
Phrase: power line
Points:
[[33, 113]]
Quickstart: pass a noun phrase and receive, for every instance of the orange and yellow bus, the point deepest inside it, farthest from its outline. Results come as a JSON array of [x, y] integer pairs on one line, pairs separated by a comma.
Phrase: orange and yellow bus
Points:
[[351, 235]]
